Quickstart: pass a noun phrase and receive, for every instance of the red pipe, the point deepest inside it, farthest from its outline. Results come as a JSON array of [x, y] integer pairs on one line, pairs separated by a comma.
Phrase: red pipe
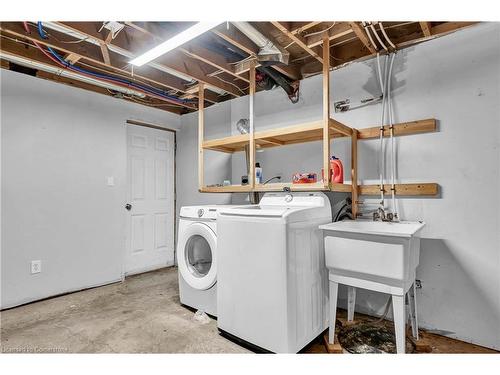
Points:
[[26, 27]]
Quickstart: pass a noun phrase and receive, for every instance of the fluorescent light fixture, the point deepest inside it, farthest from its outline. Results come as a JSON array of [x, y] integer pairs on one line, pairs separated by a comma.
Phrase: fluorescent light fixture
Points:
[[174, 42]]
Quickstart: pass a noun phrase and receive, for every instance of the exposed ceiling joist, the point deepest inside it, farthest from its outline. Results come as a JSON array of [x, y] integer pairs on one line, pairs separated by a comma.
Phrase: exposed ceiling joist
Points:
[[92, 54], [105, 54], [193, 49], [360, 33], [299, 41], [426, 28], [299, 27], [179, 72], [242, 42], [201, 53], [174, 60], [33, 55], [338, 30]]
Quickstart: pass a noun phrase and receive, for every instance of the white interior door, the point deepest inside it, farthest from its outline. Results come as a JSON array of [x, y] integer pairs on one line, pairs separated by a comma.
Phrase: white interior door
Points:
[[150, 229]]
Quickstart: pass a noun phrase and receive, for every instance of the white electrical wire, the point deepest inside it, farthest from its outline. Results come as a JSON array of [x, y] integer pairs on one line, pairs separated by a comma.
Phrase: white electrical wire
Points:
[[385, 35], [367, 30], [378, 37], [320, 31], [391, 127], [383, 85]]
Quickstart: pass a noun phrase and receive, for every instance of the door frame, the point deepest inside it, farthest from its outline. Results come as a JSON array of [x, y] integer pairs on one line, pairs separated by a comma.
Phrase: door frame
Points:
[[174, 131]]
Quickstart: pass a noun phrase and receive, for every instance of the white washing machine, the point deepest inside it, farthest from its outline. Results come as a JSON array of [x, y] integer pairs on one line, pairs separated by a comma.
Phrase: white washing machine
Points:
[[273, 282], [197, 257]]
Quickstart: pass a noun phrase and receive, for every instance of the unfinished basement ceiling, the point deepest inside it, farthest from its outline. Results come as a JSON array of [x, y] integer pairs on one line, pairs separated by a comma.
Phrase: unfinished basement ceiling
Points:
[[220, 58]]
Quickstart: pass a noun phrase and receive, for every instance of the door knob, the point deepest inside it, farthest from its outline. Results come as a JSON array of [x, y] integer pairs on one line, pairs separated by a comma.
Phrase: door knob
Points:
[[128, 206]]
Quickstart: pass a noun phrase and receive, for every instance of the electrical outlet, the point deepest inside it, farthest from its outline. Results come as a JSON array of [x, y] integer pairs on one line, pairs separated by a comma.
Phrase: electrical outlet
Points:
[[418, 284], [36, 266]]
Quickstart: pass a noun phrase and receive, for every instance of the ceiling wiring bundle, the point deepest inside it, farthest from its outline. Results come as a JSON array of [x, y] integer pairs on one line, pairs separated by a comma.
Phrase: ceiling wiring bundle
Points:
[[146, 89]]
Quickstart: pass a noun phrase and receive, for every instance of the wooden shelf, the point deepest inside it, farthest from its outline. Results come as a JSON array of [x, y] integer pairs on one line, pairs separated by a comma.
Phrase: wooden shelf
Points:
[[279, 186], [228, 144], [318, 186], [415, 189], [310, 132], [226, 189], [323, 130], [301, 133]]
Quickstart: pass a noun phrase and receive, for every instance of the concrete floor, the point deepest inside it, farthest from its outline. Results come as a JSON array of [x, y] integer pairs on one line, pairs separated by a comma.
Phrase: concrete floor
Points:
[[141, 315]]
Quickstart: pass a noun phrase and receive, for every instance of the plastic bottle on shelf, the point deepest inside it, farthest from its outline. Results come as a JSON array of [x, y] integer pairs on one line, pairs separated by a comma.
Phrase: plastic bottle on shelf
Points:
[[258, 173], [336, 170]]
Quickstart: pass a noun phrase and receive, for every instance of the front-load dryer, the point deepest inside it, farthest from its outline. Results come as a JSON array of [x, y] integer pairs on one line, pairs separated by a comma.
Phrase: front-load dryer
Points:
[[197, 257]]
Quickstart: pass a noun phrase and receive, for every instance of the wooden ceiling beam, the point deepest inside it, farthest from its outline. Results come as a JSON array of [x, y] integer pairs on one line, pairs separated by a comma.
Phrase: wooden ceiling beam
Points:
[[33, 54], [105, 54], [299, 27], [360, 33], [192, 92], [92, 53], [4, 64], [72, 58], [100, 90], [299, 41], [426, 28], [337, 31], [354, 50], [192, 49], [199, 52], [174, 60]]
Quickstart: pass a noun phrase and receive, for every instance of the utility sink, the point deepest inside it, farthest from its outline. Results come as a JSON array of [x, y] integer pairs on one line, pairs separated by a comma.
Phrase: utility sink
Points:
[[381, 252], [378, 256]]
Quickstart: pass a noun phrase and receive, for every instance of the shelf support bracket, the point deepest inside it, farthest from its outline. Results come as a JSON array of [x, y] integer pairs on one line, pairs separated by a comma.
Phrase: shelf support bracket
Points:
[[354, 173], [251, 177], [326, 110], [201, 132]]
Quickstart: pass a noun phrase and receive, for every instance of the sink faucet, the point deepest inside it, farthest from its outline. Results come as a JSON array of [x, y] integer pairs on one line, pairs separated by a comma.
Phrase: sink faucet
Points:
[[381, 215]]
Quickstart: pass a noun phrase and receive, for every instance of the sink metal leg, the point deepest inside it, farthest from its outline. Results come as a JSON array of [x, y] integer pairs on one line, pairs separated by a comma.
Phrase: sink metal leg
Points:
[[398, 307], [351, 302], [412, 304], [334, 287]]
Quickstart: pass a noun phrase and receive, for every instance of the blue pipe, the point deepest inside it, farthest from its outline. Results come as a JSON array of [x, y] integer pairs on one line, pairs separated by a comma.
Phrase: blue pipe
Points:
[[148, 89]]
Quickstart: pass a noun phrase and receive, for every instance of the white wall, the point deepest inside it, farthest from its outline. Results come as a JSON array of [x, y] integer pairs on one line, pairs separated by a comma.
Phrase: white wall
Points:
[[58, 146], [217, 164], [455, 79]]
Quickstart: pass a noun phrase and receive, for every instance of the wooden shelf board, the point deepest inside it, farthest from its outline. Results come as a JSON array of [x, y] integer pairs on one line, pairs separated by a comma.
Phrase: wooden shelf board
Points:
[[415, 189], [279, 186], [345, 188], [312, 131], [226, 189], [232, 143], [403, 128], [308, 132]]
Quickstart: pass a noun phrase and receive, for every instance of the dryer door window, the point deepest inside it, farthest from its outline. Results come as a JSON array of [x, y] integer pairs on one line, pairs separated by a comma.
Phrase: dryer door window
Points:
[[196, 257]]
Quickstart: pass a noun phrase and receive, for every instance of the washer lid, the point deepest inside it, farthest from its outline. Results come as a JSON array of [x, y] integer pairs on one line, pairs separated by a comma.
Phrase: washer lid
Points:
[[197, 256]]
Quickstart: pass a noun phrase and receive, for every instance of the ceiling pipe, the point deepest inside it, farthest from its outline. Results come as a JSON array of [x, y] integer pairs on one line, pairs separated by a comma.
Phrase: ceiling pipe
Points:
[[67, 74], [269, 53]]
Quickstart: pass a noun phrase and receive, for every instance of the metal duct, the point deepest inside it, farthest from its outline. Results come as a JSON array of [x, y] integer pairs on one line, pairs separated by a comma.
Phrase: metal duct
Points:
[[233, 54], [269, 53]]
